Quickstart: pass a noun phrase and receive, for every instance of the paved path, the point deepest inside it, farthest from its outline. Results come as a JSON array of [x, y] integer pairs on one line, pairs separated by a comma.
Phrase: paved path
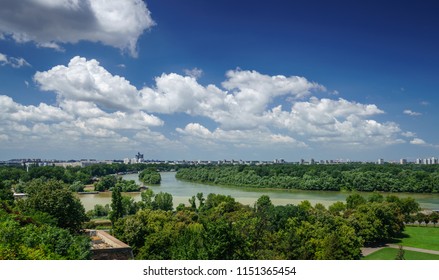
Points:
[[433, 252], [369, 250]]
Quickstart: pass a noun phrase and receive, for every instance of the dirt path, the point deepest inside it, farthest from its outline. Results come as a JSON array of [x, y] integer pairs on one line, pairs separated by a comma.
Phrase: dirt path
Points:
[[369, 250]]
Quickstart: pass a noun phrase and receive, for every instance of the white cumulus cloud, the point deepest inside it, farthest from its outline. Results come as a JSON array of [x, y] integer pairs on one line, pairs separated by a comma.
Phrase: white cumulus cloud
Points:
[[50, 23], [86, 80], [251, 138], [94, 106], [239, 105]]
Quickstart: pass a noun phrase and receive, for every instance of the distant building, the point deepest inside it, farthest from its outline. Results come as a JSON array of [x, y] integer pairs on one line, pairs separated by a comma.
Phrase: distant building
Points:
[[380, 161], [139, 157], [430, 160], [403, 161]]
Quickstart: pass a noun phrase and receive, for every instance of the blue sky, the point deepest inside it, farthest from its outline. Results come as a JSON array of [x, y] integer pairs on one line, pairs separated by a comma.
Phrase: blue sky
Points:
[[210, 80]]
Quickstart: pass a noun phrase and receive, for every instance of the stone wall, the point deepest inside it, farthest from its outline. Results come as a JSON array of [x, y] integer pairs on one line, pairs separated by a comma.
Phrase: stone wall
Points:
[[107, 247]]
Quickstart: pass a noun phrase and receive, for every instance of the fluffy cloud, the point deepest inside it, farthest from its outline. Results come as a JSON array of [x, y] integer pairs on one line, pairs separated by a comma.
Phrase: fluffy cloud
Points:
[[240, 105], [94, 106], [13, 61], [174, 93], [72, 123], [12, 111], [335, 121], [86, 80], [49, 23], [94, 109], [250, 138], [254, 84]]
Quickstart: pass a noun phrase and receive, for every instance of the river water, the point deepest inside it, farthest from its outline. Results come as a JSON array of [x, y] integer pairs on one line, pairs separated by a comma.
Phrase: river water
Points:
[[181, 192]]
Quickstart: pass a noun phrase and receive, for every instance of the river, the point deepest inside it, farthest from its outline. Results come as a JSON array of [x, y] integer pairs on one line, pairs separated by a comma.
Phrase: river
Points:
[[181, 192]]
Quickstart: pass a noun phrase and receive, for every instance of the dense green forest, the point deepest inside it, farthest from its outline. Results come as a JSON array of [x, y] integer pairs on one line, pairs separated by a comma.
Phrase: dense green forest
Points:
[[335, 177], [352, 177], [219, 228], [45, 226], [49, 222]]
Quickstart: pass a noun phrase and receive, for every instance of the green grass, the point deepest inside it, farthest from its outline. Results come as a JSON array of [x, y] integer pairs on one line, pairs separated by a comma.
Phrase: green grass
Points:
[[390, 254], [421, 237], [414, 236]]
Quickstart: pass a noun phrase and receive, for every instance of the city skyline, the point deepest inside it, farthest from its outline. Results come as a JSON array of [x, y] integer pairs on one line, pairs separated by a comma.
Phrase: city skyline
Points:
[[211, 80], [139, 158]]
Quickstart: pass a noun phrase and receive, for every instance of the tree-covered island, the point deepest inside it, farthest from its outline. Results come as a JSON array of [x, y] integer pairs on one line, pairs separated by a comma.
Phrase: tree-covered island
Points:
[[332, 177], [150, 176]]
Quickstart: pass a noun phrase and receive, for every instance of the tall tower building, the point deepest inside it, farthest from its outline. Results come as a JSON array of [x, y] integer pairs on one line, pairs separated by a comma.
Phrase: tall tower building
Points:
[[139, 157]]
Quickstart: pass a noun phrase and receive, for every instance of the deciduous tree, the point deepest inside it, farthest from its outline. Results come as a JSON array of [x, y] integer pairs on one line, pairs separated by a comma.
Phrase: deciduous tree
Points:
[[54, 198]]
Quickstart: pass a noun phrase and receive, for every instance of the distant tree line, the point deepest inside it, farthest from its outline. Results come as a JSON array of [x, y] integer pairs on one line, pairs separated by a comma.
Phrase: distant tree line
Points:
[[71, 174], [75, 177], [350, 177]]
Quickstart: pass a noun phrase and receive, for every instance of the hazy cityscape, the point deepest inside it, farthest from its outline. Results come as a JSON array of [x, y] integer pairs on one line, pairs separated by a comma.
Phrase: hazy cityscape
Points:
[[139, 158]]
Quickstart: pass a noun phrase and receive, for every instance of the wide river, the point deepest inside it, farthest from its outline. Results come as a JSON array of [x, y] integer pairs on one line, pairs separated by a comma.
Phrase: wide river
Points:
[[181, 192]]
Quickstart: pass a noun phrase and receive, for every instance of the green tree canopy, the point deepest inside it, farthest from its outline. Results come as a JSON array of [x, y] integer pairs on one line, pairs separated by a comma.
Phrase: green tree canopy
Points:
[[150, 176], [117, 209], [28, 237], [163, 201], [55, 198], [6, 193], [105, 183]]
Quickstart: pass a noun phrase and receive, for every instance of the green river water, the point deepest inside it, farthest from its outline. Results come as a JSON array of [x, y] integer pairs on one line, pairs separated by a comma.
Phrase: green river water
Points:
[[182, 191]]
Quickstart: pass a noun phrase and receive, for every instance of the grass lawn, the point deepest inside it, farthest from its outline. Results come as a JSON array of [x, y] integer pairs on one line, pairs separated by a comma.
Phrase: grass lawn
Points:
[[390, 254], [421, 237]]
